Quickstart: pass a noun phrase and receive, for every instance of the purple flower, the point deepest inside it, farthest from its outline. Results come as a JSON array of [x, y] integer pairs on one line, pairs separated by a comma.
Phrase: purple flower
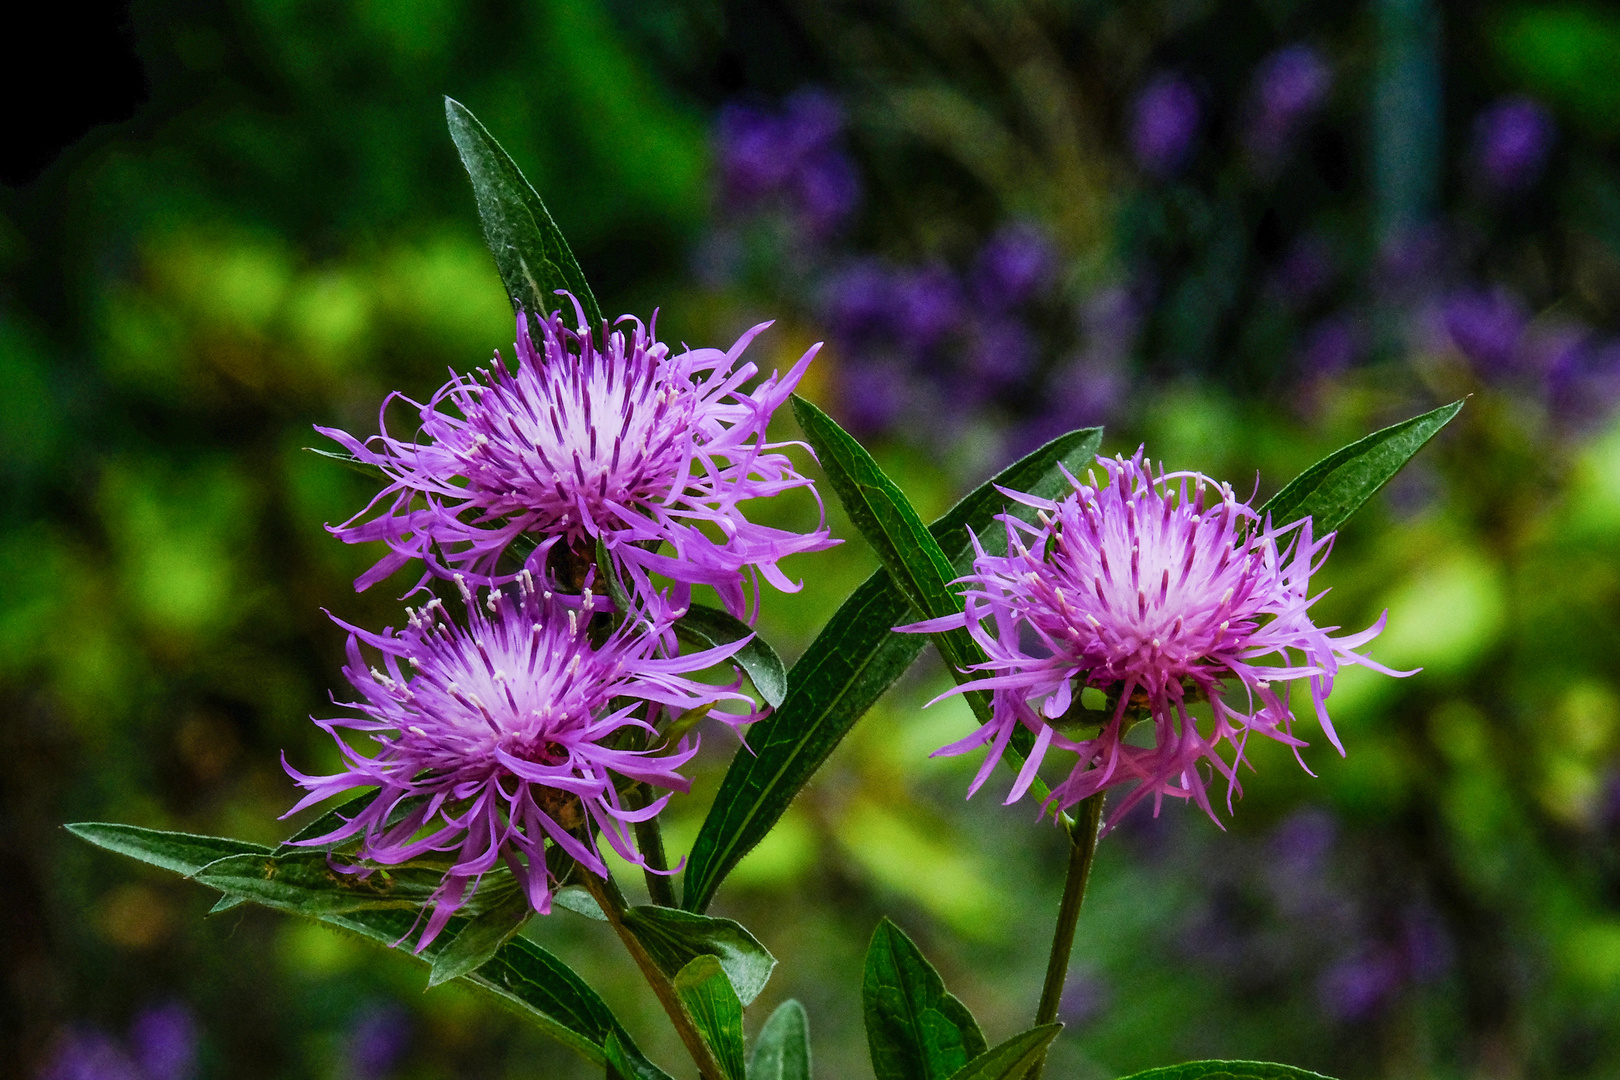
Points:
[[1486, 328], [1583, 381], [1330, 346], [378, 1038], [1000, 354], [793, 156], [871, 395], [1511, 141], [1013, 267], [508, 727], [1164, 123], [1359, 986], [87, 1054], [928, 307], [1290, 85], [622, 443], [858, 301], [1159, 600], [164, 1039]]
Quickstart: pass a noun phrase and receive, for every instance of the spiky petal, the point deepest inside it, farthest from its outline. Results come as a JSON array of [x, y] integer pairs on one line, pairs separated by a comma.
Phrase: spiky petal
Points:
[[1160, 592], [622, 442], [500, 739]]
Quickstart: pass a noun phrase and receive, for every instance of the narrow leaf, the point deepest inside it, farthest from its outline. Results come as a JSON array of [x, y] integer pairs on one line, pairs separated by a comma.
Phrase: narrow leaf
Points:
[[182, 853], [578, 899], [850, 664], [708, 627], [626, 1063], [477, 942], [782, 1051], [1013, 1058], [1335, 487], [1226, 1070], [673, 938], [706, 994], [533, 258], [349, 461], [915, 1030], [305, 883]]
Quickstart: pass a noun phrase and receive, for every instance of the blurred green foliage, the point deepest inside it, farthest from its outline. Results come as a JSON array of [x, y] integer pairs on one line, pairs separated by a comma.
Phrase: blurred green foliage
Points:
[[283, 235]]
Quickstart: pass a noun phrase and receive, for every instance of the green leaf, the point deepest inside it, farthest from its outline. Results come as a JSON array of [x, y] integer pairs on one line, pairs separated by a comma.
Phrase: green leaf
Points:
[[916, 1031], [850, 664], [1013, 1058], [1335, 487], [706, 994], [708, 627], [364, 468], [183, 853], [673, 938], [521, 973], [533, 258], [625, 1063], [782, 1051], [481, 938], [578, 899], [1226, 1070], [305, 883]]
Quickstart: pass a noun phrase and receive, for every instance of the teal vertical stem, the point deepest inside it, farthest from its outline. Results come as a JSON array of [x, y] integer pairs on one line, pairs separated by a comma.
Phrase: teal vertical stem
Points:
[[1407, 134], [1082, 849]]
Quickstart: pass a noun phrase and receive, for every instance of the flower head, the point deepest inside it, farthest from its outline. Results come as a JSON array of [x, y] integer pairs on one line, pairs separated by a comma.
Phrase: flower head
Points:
[[1164, 124], [501, 738], [622, 443], [1161, 592], [1511, 142]]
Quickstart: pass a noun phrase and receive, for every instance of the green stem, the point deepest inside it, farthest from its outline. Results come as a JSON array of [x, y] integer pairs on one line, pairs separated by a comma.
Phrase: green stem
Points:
[[650, 842], [1082, 849], [607, 894]]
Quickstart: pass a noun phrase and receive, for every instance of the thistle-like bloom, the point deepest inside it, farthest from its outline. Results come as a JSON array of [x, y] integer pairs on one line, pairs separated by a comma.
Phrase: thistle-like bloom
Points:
[[1159, 599], [625, 444], [502, 738]]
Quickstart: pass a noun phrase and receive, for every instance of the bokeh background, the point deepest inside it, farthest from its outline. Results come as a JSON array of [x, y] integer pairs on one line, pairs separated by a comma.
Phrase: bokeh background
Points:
[[1243, 232]]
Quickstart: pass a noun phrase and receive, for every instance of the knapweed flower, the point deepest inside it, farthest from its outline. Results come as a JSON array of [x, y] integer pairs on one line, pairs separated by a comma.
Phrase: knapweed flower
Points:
[[622, 443], [504, 737], [1161, 592], [1164, 125]]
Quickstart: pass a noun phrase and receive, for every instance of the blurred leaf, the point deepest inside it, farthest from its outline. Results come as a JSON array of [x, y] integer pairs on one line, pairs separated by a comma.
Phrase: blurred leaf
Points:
[[364, 468], [627, 1064], [578, 899], [1226, 1070], [708, 627], [782, 1049], [705, 993], [850, 664], [916, 1031], [1011, 1059], [481, 938], [1335, 487], [542, 987], [533, 258], [182, 853], [673, 938]]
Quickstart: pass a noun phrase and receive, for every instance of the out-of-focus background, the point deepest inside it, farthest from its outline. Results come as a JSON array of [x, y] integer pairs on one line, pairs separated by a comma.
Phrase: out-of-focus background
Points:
[[1241, 231]]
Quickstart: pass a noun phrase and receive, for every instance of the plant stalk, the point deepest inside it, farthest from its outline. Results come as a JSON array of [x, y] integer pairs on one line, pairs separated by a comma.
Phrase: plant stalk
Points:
[[607, 894], [650, 842], [1082, 849]]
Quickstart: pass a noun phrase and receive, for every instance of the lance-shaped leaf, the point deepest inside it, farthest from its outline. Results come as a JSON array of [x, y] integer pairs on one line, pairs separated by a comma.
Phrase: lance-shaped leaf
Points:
[[477, 942], [674, 938], [1013, 1058], [306, 883], [915, 1030], [782, 1050], [625, 1063], [708, 627], [850, 664], [706, 994], [1335, 487], [1226, 1070], [527, 977], [533, 258], [349, 461]]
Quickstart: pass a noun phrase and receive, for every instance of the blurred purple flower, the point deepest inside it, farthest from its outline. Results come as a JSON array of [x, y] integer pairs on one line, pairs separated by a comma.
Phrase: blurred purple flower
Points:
[[1290, 84], [1164, 124], [164, 1041], [1511, 142], [928, 306], [858, 301], [1303, 840], [1085, 998], [378, 1038], [1582, 379], [1013, 267], [1306, 270], [1330, 347], [1425, 944], [1000, 354], [871, 395], [1355, 988], [1486, 327], [1410, 261], [88, 1054], [794, 156]]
